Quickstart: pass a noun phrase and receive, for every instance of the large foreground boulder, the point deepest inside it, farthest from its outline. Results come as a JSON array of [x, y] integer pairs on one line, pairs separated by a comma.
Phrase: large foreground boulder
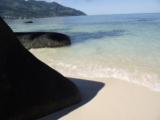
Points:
[[29, 89], [43, 39]]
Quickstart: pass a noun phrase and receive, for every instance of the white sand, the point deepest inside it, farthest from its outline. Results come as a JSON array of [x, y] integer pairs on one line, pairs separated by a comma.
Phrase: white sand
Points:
[[117, 100], [108, 99]]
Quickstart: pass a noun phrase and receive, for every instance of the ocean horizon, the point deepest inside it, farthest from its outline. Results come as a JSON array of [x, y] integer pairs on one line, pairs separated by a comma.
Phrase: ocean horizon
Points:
[[118, 46]]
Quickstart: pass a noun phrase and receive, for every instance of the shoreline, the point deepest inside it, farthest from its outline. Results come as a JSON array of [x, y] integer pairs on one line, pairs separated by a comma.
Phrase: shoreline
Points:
[[79, 70], [106, 98]]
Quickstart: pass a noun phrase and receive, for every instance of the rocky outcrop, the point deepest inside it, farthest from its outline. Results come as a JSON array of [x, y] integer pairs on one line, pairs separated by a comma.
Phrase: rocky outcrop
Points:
[[29, 89], [43, 39]]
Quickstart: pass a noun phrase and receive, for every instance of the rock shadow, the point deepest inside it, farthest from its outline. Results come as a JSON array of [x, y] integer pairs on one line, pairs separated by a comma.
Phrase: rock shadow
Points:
[[88, 90], [84, 36]]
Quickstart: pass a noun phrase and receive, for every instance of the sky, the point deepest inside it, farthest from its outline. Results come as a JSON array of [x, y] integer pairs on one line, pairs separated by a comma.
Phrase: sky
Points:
[[95, 7]]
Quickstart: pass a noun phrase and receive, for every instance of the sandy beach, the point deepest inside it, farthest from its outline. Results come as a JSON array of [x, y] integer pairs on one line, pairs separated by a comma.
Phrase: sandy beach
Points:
[[115, 62], [111, 52], [106, 98], [111, 99]]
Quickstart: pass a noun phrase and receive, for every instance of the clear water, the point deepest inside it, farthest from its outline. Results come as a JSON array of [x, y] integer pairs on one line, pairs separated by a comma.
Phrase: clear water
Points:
[[125, 47]]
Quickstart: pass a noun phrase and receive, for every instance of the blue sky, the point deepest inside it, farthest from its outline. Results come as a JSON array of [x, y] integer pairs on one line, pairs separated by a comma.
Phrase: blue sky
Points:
[[94, 7]]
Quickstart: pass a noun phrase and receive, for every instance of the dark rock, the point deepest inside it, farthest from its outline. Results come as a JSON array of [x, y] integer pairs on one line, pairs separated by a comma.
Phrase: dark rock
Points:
[[43, 39], [28, 22], [29, 89]]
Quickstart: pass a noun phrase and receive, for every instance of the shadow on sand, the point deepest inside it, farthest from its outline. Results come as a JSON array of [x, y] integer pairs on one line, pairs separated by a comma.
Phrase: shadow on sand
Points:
[[88, 90]]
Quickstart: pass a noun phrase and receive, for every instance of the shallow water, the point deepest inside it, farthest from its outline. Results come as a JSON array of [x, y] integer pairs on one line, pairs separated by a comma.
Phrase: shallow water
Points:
[[125, 47]]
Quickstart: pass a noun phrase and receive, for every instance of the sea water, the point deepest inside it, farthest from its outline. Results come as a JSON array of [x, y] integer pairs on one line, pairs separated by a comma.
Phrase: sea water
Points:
[[125, 46]]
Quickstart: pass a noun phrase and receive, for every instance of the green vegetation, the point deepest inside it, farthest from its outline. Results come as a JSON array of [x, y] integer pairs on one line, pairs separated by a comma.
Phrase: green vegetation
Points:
[[32, 8]]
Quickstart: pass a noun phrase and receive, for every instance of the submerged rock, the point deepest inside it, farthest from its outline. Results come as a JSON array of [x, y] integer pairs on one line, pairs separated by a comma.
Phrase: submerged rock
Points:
[[28, 22], [42, 39], [29, 89]]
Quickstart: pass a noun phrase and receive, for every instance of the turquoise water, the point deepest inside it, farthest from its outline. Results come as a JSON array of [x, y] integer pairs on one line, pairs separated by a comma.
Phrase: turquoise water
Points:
[[125, 47]]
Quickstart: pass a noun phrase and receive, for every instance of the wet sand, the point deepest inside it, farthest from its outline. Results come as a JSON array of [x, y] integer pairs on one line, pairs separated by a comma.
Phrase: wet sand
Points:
[[106, 98]]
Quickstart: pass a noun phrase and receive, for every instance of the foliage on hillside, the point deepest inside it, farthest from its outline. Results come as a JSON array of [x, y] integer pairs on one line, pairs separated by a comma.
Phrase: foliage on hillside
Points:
[[32, 8]]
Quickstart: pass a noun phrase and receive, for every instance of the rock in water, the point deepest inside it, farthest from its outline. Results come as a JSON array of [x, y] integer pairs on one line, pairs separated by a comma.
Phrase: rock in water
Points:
[[43, 39], [28, 22], [29, 89]]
